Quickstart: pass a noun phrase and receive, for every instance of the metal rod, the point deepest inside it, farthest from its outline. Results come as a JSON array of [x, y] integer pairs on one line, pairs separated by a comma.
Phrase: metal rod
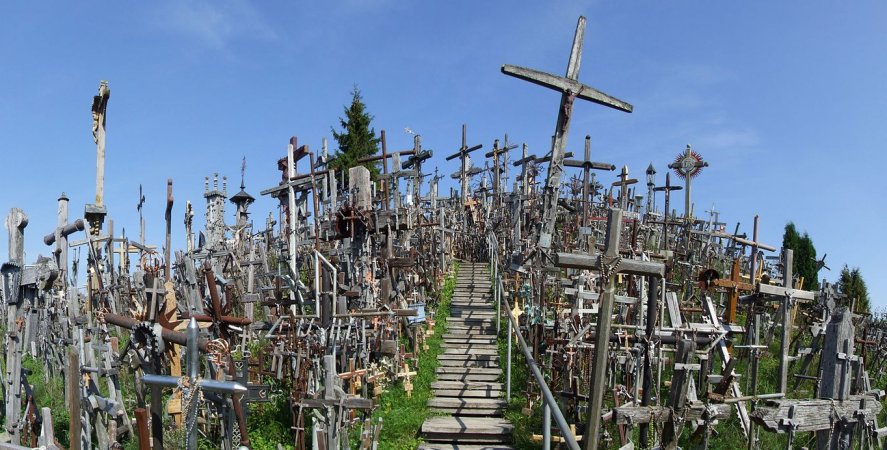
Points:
[[559, 419]]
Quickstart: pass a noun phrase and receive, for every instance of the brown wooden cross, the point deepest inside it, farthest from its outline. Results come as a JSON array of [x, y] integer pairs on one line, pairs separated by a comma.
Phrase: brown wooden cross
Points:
[[734, 285]]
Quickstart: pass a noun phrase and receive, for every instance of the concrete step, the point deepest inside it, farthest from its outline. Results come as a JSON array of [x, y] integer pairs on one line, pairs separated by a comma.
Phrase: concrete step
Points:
[[494, 371], [472, 330]]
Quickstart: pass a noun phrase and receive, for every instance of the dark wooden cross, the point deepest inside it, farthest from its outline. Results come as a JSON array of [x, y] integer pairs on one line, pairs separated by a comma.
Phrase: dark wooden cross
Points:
[[667, 189], [495, 153], [587, 164], [570, 89], [462, 154], [623, 184]]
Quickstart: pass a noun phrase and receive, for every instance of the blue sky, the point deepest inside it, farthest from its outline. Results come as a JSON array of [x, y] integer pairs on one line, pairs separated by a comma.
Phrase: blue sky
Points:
[[784, 99]]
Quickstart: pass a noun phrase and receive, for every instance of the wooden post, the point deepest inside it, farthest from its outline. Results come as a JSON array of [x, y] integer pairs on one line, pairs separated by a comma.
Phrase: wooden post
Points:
[[602, 332], [73, 393], [787, 306], [142, 426]]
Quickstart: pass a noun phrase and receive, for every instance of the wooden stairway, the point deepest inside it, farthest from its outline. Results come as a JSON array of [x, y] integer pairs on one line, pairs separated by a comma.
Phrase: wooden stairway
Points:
[[467, 390]]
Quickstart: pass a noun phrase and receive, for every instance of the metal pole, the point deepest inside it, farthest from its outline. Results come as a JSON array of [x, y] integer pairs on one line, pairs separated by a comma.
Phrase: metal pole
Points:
[[508, 363], [559, 419], [546, 426]]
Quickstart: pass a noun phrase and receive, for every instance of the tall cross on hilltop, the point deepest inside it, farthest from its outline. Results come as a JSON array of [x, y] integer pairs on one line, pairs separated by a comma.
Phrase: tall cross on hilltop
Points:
[[570, 89]]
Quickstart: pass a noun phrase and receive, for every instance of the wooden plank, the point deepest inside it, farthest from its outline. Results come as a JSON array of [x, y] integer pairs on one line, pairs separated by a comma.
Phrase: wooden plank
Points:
[[467, 427], [814, 415]]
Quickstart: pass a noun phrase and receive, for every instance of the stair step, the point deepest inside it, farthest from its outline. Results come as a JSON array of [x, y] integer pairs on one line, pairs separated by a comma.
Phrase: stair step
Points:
[[467, 430], [471, 351], [451, 446], [456, 363], [467, 386], [468, 357]]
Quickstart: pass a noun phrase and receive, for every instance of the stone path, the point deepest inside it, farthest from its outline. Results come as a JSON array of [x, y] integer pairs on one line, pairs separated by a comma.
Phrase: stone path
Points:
[[467, 390]]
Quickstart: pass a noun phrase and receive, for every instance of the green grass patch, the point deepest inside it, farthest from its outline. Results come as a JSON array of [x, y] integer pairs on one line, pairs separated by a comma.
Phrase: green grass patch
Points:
[[402, 416]]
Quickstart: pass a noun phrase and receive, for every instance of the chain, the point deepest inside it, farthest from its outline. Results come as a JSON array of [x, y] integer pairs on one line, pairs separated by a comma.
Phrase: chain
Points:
[[235, 435], [194, 391], [608, 269]]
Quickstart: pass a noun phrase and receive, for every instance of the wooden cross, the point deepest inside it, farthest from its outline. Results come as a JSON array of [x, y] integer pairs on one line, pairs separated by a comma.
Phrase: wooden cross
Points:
[[462, 154], [194, 384], [623, 183], [495, 153], [587, 164], [95, 213], [734, 285], [570, 89], [787, 295], [609, 264], [667, 189]]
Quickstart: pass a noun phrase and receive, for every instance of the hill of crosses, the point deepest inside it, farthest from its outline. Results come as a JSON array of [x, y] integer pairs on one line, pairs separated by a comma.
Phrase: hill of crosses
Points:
[[546, 300]]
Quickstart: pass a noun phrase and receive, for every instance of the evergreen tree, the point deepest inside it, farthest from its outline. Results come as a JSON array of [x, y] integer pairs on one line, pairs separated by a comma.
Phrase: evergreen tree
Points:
[[853, 287], [804, 258], [357, 139]]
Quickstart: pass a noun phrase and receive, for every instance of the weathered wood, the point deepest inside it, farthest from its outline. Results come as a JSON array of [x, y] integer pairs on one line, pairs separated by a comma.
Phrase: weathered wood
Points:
[[467, 429], [815, 414], [629, 415]]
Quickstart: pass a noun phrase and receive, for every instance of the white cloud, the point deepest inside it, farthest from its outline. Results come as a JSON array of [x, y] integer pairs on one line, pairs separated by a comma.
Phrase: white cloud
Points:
[[215, 23]]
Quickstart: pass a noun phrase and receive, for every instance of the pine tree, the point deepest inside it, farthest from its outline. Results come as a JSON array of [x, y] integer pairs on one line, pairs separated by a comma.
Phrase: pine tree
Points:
[[853, 287], [357, 139], [804, 258]]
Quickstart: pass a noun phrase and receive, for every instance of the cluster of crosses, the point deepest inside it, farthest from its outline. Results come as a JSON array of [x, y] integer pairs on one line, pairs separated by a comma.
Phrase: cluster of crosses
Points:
[[641, 326]]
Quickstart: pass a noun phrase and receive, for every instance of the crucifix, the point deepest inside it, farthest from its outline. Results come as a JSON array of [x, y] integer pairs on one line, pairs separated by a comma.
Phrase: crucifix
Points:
[[495, 153], [623, 184], [587, 164], [95, 213], [16, 221], [570, 89], [462, 154], [609, 264], [667, 189]]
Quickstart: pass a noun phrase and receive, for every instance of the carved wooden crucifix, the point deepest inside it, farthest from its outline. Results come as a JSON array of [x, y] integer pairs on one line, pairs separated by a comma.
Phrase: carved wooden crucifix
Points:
[[570, 89]]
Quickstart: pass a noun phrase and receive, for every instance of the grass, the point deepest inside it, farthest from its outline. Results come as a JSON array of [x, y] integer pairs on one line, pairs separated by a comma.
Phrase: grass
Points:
[[403, 415]]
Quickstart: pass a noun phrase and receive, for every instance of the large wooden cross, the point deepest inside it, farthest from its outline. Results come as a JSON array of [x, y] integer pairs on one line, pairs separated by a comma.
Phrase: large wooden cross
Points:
[[787, 295], [462, 154], [609, 264], [570, 89]]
